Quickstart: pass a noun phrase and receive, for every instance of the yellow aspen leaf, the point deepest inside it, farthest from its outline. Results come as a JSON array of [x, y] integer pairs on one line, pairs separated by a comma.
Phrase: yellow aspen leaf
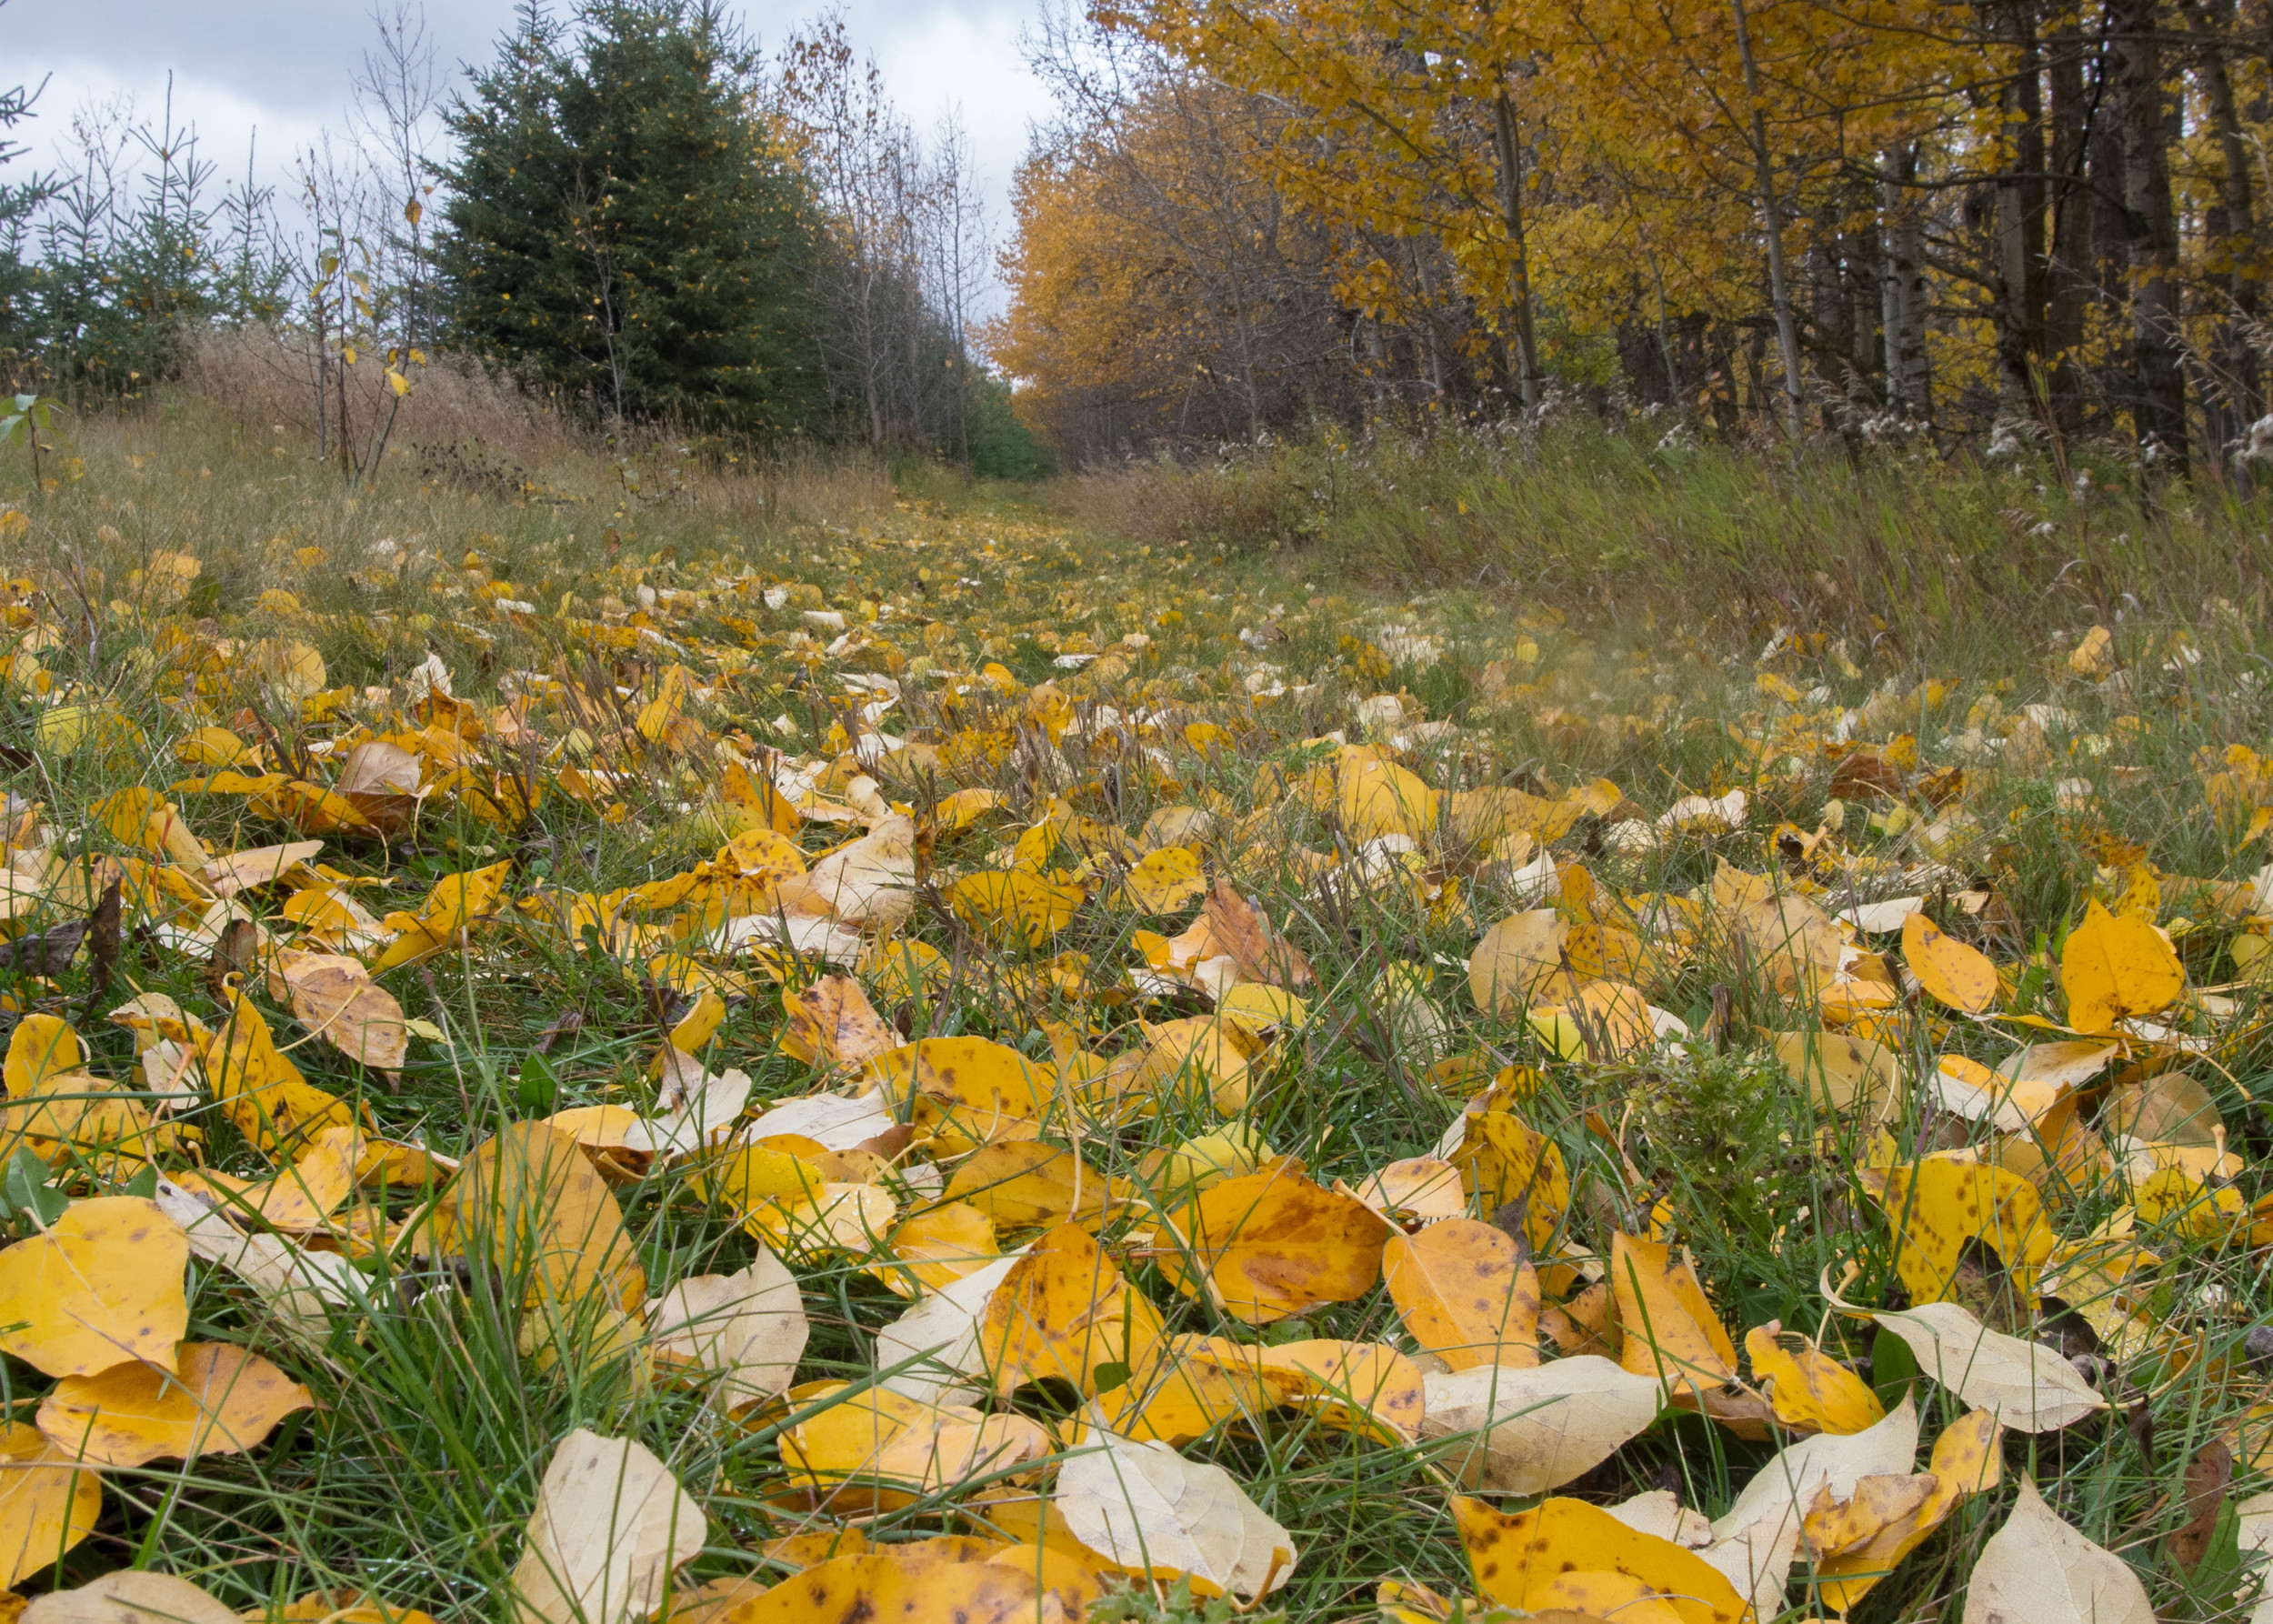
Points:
[[966, 1091], [1671, 1331], [1366, 1388], [48, 1503], [458, 903], [1181, 1171], [1024, 1183], [1846, 1072], [105, 1283], [885, 1585], [1467, 1294], [218, 1399], [262, 1093], [1959, 977], [1517, 959], [878, 1433], [528, 1204], [1375, 796], [298, 1197], [1062, 1311], [2115, 967], [964, 807], [692, 1031], [1273, 1244], [1505, 1161], [936, 1245], [345, 1607], [839, 1217], [1940, 1203], [831, 1023], [1522, 1560], [1193, 1385], [1165, 880], [42, 1046], [1203, 1052], [1808, 1390], [1015, 907]]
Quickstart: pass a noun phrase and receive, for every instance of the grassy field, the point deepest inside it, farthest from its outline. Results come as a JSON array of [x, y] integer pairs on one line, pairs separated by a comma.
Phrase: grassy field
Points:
[[1111, 867]]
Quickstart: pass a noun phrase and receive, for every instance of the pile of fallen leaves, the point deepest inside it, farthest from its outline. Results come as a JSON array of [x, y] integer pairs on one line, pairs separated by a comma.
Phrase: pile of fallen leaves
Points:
[[1096, 1265]]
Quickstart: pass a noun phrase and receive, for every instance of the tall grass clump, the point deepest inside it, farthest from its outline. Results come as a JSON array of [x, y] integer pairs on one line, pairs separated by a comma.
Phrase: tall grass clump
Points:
[[1897, 541]]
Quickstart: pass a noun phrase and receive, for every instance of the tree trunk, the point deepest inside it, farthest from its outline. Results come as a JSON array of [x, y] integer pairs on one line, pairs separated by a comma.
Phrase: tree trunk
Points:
[[1908, 387], [1772, 217], [1519, 270], [2068, 270], [2019, 299], [2236, 397], [2158, 409]]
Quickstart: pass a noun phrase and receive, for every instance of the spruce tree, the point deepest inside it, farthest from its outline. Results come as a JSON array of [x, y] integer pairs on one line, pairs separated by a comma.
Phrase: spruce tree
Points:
[[622, 222]]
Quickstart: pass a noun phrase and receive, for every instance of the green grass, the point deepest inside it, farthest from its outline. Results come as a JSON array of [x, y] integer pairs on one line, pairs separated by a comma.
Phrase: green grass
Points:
[[414, 1475]]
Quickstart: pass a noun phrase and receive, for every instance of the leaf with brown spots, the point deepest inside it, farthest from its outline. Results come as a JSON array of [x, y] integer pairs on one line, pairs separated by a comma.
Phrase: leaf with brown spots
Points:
[[1273, 1244], [1467, 1294]]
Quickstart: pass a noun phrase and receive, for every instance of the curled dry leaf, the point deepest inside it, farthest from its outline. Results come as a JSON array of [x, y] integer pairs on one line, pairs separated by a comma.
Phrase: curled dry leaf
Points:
[[1143, 1509], [1538, 1427], [2022, 1384], [611, 1522], [1784, 1489], [2040, 1569], [302, 1288], [1808, 1390], [868, 884], [1965, 1462]]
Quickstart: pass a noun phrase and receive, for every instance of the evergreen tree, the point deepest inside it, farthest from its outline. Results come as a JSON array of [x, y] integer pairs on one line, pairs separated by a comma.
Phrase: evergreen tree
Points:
[[622, 222], [18, 201]]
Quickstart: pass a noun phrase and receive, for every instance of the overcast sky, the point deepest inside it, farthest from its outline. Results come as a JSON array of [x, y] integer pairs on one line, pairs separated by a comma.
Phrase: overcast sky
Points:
[[283, 66]]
